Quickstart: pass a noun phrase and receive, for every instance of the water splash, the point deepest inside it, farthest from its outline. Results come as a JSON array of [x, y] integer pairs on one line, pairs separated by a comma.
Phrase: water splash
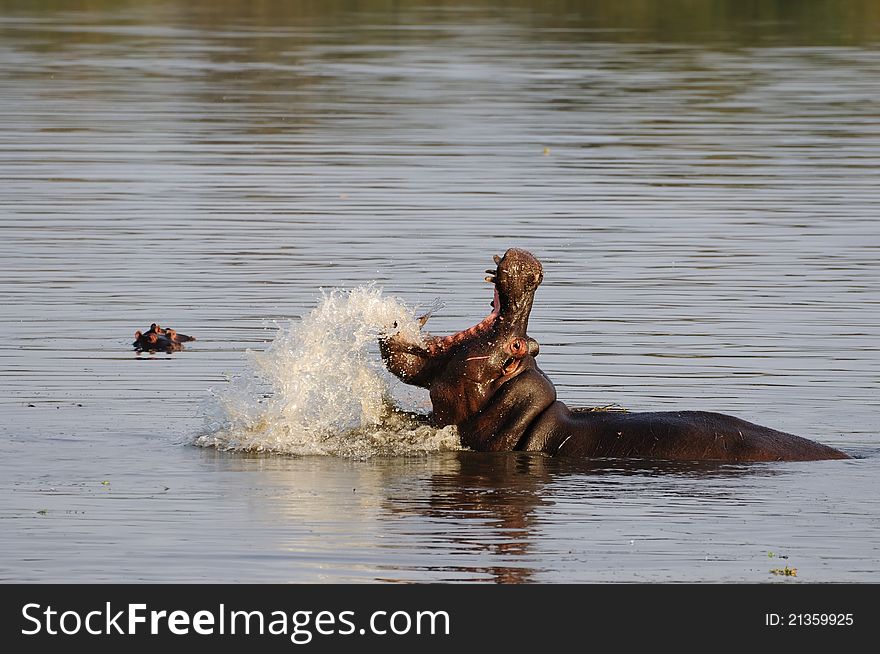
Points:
[[320, 387]]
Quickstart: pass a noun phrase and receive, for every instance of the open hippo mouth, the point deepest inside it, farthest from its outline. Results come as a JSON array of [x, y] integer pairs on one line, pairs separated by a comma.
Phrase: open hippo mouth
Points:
[[515, 278]]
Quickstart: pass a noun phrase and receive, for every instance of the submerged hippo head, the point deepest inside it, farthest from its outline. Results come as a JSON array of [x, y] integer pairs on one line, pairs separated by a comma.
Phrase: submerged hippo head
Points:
[[464, 369], [158, 339]]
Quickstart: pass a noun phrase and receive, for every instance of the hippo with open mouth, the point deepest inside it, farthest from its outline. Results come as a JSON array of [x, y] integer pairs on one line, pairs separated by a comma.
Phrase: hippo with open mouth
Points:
[[485, 380]]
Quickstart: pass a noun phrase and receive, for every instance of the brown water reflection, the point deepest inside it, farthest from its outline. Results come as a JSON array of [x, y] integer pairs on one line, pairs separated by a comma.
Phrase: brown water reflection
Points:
[[499, 492], [814, 22], [504, 494]]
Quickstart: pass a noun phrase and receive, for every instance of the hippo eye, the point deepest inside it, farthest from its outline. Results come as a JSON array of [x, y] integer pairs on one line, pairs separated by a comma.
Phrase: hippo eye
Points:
[[518, 347]]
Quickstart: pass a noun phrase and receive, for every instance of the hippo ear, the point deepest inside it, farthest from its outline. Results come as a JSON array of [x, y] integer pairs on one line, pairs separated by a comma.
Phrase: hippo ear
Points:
[[534, 348]]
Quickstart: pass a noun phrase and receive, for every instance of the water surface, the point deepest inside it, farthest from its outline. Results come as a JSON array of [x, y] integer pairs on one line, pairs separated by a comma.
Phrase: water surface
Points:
[[701, 185]]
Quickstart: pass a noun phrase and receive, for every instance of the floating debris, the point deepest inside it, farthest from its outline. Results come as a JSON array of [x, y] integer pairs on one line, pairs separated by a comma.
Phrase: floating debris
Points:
[[612, 408]]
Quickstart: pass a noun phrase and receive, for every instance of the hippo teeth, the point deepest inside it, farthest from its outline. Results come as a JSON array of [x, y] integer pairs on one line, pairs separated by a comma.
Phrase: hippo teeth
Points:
[[436, 344]]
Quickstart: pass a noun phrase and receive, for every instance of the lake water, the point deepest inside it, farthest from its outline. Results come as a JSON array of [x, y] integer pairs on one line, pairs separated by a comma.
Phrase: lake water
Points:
[[701, 184]]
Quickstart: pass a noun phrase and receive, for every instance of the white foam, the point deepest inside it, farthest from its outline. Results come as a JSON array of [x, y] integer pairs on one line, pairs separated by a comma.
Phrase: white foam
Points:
[[320, 387]]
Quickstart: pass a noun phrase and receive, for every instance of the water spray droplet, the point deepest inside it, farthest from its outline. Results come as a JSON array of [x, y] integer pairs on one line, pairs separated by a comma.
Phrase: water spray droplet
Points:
[[321, 388]]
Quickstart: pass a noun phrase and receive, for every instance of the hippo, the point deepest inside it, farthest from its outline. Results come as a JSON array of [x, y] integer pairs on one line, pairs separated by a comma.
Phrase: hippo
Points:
[[486, 381], [161, 339]]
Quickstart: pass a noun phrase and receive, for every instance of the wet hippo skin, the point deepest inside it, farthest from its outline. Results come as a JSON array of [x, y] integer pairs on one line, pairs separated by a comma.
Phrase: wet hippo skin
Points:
[[486, 381]]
